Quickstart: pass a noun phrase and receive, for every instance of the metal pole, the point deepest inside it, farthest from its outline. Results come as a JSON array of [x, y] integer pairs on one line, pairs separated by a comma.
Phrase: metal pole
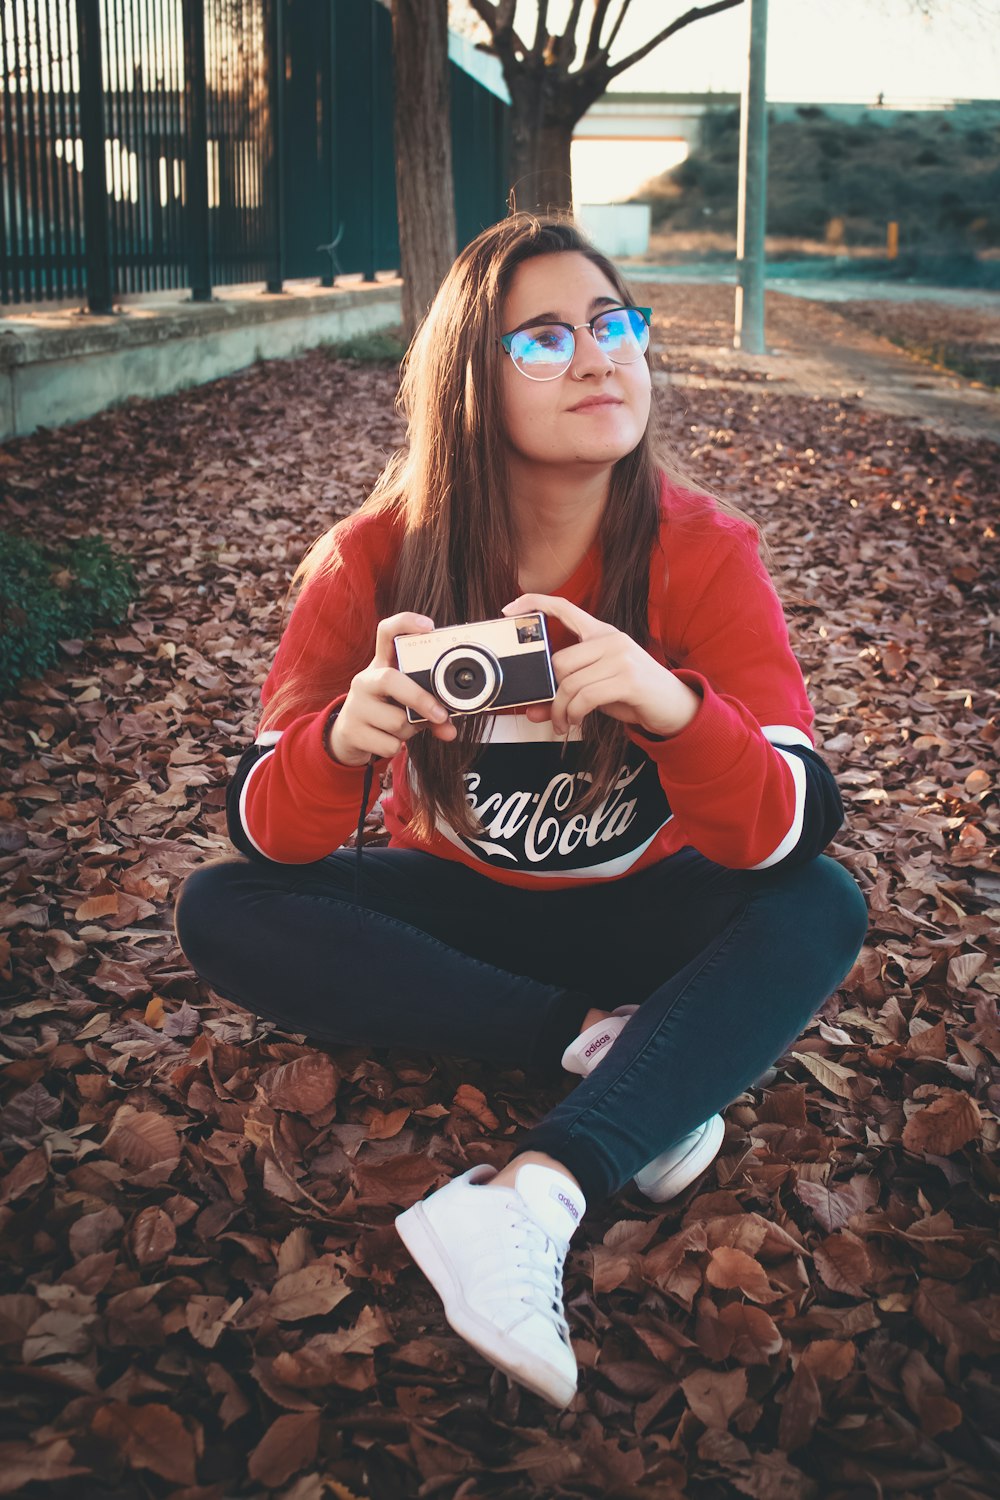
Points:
[[276, 112], [97, 245], [329, 277], [752, 221], [196, 208], [373, 108]]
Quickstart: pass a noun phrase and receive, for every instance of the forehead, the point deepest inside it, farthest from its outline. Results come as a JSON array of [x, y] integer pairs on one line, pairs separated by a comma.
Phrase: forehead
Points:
[[565, 284]]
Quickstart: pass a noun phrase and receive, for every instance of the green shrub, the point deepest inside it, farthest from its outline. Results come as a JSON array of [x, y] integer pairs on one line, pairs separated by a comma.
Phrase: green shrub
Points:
[[53, 594], [938, 179]]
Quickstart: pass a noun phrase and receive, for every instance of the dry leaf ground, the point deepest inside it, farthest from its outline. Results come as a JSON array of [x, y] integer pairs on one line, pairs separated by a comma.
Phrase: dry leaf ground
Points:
[[203, 1293]]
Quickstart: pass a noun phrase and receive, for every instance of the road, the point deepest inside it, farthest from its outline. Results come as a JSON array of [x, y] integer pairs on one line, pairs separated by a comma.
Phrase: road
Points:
[[799, 279]]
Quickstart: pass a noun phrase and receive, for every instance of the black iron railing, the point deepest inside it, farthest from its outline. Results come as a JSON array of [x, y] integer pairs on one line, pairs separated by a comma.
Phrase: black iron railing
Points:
[[156, 144]]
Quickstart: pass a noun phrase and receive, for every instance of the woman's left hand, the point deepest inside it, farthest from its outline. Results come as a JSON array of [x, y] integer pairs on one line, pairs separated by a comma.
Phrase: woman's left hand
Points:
[[609, 671]]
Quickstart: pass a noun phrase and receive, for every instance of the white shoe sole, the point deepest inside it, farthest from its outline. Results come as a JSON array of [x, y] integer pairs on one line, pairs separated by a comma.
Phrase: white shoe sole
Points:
[[419, 1236], [680, 1174]]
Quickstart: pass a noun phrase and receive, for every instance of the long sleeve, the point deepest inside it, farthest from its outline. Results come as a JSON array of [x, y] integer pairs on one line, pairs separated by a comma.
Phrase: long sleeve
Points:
[[289, 801], [743, 778]]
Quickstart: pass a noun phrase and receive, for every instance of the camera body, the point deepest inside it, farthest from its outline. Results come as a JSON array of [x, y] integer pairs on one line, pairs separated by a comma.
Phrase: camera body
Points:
[[482, 667]]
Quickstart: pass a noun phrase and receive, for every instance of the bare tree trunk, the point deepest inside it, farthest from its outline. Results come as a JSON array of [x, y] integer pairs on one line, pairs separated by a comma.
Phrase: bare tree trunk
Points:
[[424, 186], [548, 96], [540, 172]]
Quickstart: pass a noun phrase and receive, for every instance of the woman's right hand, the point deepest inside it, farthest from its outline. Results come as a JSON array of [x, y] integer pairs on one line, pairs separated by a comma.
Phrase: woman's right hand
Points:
[[372, 720]]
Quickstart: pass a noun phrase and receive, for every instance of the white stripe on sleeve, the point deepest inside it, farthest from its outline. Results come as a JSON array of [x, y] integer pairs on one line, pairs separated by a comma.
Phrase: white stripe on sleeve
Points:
[[784, 734], [269, 738], [794, 833]]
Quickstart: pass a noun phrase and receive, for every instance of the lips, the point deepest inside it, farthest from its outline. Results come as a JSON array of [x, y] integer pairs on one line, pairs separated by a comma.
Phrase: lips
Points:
[[592, 402]]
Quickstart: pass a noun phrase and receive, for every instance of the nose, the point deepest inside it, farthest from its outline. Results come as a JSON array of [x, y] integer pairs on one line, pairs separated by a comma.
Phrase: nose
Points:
[[588, 356]]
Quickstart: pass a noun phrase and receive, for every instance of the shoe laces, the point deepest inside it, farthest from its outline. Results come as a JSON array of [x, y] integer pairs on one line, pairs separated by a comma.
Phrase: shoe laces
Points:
[[543, 1267]]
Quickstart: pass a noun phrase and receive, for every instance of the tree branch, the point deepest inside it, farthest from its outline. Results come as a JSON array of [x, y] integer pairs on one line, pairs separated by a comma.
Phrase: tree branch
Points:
[[617, 26], [573, 22], [596, 27], [500, 19], [486, 12], [541, 29], [561, 50], [697, 14]]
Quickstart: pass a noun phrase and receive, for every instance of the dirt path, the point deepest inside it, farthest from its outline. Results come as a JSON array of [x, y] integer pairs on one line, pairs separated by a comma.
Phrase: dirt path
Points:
[[815, 351]]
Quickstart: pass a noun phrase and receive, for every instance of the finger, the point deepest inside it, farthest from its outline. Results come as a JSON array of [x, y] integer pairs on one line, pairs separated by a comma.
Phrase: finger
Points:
[[395, 687], [405, 623], [571, 615], [384, 746], [588, 675], [584, 654], [388, 718], [580, 695]]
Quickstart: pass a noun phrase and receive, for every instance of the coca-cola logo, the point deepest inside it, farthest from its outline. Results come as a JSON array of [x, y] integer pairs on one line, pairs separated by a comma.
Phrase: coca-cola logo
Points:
[[526, 819]]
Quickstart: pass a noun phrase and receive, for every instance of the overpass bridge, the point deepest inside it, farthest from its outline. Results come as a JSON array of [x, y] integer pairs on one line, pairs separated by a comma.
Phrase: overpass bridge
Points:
[[651, 117], [680, 117]]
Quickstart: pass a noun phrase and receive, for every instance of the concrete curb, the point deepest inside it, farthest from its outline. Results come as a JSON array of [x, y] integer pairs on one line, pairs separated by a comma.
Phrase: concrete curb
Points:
[[62, 366]]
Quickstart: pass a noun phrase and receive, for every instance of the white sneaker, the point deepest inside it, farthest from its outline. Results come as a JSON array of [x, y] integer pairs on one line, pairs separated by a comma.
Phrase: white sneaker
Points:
[[676, 1168], [586, 1050], [495, 1257]]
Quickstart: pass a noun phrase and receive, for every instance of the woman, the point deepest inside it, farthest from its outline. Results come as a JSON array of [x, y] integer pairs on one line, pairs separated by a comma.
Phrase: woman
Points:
[[624, 882]]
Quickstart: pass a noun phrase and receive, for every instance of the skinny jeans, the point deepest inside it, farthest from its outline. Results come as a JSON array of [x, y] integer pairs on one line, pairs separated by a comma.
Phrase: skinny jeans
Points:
[[727, 967]]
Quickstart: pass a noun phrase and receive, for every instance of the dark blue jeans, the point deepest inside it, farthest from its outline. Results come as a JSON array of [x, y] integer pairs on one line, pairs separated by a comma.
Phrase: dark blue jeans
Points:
[[728, 967]]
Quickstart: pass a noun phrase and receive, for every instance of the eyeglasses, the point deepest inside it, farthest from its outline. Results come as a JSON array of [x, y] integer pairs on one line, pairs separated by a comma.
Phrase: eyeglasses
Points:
[[546, 351]]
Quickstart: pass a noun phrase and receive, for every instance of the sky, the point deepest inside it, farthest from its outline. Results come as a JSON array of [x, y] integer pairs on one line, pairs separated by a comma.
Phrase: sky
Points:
[[818, 51]]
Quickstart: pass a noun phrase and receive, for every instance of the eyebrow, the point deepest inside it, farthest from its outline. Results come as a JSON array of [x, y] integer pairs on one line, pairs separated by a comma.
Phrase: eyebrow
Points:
[[551, 317]]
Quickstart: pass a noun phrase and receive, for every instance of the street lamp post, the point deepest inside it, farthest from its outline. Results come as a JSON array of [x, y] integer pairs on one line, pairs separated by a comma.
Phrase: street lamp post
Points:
[[751, 223]]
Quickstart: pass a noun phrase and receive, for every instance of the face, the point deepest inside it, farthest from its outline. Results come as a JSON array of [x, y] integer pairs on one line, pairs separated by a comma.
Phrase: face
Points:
[[597, 411]]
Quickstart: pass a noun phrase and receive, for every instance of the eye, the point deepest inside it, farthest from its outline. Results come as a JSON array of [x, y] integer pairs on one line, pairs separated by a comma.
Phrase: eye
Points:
[[623, 334], [614, 324], [549, 337]]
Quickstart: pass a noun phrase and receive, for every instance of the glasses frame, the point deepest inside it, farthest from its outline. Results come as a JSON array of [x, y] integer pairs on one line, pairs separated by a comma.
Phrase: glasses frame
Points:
[[507, 339]]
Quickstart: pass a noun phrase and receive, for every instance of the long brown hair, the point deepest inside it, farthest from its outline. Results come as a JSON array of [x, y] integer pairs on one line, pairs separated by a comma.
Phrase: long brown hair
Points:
[[449, 489]]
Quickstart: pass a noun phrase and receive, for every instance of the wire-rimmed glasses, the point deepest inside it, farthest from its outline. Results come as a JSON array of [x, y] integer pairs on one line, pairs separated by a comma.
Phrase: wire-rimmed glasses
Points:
[[545, 351]]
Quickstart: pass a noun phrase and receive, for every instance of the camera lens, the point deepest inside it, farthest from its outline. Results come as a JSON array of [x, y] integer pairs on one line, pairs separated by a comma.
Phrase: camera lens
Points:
[[466, 678]]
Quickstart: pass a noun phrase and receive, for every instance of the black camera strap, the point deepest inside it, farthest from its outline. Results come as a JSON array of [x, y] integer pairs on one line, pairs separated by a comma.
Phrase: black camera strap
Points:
[[369, 775]]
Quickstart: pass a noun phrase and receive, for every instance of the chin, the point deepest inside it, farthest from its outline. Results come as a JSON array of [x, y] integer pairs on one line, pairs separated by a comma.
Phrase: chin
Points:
[[604, 454]]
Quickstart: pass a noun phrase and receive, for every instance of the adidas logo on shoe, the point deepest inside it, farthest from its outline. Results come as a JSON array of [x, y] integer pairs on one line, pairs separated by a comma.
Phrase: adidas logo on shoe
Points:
[[584, 1051], [566, 1202], [600, 1042]]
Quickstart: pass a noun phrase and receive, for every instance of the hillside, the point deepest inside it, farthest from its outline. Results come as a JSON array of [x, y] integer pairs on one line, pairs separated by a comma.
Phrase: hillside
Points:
[[938, 175]]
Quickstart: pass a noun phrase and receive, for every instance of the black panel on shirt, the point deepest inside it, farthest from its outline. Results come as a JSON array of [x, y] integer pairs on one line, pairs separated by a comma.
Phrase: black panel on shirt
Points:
[[824, 811], [237, 833], [528, 830]]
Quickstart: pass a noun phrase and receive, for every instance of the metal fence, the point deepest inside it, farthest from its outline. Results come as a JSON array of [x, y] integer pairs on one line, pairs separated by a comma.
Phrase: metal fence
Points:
[[156, 144]]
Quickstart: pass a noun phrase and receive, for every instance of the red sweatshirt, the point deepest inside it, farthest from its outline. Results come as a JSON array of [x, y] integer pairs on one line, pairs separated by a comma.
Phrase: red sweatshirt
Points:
[[740, 783]]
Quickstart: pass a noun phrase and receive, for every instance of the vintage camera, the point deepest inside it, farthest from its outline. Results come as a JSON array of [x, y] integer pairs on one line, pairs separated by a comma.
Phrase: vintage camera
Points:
[[491, 664]]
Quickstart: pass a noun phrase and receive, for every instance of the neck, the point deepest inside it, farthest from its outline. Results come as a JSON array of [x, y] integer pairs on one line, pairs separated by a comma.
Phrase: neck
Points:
[[556, 515]]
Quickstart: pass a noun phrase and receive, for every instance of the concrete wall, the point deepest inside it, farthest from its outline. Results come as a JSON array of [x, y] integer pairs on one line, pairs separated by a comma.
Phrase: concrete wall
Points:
[[616, 228], [59, 367]]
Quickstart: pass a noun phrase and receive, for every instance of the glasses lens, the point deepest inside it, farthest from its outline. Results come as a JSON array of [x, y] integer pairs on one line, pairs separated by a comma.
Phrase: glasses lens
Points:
[[623, 334], [543, 353]]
